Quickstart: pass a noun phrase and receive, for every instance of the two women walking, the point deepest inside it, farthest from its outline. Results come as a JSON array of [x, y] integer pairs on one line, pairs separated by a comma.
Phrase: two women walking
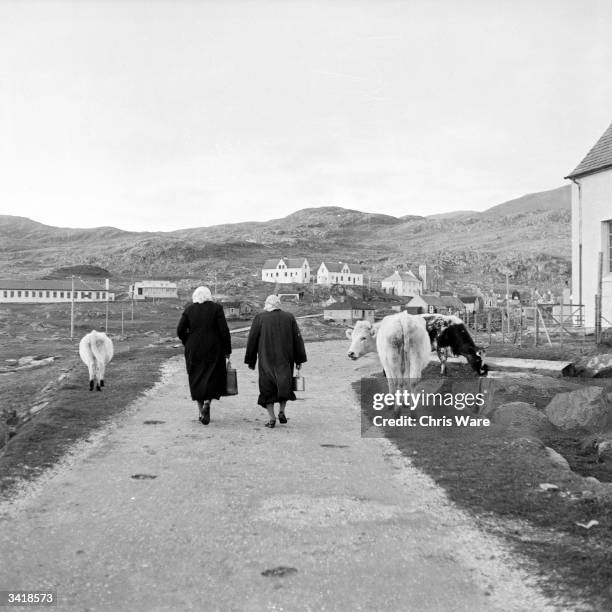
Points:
[[274, 340]]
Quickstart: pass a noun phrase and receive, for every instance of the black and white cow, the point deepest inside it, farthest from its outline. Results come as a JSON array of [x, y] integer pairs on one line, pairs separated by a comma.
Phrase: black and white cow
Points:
[[449, 333]]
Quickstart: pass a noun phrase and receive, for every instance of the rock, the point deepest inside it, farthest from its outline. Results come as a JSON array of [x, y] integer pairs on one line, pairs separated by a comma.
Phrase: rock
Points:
[[588, 495], [598, 366], [592, 480], [519, 416], [585, 408], [25, 360], [604, 448], [548, 486], [557, 459]]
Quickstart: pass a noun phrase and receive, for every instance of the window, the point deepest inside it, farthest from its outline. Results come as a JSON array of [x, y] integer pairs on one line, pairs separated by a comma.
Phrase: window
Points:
[[19, 294], [55, 294], [26, 294], [40, 294], [5, 293], [12, 294], [61, 294], [47, 294]]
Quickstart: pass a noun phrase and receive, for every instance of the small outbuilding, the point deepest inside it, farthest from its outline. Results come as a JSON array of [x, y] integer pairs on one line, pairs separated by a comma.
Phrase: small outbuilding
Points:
[[349, 311]]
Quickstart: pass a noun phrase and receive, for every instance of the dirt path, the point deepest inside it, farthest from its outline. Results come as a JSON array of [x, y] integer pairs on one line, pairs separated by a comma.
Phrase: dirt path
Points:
[[362, 529]]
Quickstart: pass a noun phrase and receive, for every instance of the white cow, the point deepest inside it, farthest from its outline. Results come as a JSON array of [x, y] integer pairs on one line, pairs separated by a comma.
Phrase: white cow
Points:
[[403, 346], [96, 350]]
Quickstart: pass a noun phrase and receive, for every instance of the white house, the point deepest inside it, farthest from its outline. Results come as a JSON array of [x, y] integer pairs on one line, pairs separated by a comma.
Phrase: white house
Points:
[[50, 291], [592, 229], [402, 284], [286, 270], [152, 289], [338, 273]]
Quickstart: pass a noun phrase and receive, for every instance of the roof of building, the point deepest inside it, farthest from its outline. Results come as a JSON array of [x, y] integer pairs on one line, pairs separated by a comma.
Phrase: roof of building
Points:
[[271, 263], [469, 299], [333, 266], [294, 262], [442, 301], [155, 283], [230, 304], [355, 268], [402, 276], [349, 305], [451, 301], [598, 158], [53, 285], [430, 300]]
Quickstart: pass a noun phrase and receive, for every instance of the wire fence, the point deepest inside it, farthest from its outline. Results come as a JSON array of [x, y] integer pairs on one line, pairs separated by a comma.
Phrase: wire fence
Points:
[[534, 325]]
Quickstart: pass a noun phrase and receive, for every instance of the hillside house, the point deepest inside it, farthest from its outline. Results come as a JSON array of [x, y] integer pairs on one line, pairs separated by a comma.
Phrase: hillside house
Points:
[[152, 289], [592, 229], [338, 273], [440, 304], [349, 311], [52, 291], [286, 270], [402, 284]]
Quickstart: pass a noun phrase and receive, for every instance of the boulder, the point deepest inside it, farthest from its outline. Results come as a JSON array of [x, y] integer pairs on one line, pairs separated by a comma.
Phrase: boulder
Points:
[[598, 366], [604, 447], [519, 416], [584, 408], [557, 459]]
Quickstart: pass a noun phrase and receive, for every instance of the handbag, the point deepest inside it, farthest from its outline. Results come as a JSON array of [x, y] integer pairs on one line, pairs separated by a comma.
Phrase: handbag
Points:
[[298, 382], [231, 385]]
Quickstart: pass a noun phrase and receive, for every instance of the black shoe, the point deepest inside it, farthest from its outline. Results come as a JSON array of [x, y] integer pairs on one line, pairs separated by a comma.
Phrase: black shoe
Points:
[[271, 423], [205, 413], [282, 418]]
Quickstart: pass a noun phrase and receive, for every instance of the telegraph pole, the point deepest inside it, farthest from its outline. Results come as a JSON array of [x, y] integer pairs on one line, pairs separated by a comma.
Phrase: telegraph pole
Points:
[[106, 324], [72, 311]]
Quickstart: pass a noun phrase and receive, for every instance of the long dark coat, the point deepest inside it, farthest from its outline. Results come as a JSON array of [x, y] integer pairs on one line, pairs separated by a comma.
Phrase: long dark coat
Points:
[[204, 333], [276, 340]]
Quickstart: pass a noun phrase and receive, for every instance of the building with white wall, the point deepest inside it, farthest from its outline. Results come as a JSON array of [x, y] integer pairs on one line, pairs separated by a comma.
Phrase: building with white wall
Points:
[[153, 289], [402, 284], [50, 291], [339, 273], [592, 229], [286, 270]]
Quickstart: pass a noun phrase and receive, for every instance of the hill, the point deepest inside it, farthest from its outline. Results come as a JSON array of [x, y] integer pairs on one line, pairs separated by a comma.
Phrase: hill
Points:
[[530, 235]]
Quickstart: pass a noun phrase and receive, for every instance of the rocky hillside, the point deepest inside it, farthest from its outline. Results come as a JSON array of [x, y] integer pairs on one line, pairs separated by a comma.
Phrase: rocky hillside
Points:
[[529, 235]]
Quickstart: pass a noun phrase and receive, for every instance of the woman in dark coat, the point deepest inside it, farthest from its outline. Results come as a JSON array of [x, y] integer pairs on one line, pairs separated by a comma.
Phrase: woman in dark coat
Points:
[[276, 340], [204, 333]]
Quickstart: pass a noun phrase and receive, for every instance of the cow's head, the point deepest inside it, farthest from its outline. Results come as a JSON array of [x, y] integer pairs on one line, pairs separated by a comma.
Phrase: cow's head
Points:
[[362, 338], [478, 361], [458, 339]]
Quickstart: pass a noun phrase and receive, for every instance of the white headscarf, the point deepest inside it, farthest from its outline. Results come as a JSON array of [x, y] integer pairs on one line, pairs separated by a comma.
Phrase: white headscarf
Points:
[[201, 294], [272, 303]]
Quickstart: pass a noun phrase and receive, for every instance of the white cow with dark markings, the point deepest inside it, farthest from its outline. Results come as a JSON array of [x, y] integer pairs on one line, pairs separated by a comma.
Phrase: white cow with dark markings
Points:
[[403, 346]]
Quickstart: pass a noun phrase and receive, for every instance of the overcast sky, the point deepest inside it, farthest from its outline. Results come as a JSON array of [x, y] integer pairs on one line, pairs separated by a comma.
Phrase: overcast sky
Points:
[[162, 115]]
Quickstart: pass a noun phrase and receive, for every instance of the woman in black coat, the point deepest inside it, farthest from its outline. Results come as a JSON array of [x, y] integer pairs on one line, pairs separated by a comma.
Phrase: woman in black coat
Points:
[[204, 333], [275, 340]]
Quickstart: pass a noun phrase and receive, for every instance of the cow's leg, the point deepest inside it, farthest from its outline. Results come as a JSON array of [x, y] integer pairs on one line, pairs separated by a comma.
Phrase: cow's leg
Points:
[[92, 374], [101, 370], [392, 365], [442, 356]]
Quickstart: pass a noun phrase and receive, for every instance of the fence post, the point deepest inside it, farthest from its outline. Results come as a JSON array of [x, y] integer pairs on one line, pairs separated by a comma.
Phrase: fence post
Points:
[[536, 320], [489, 324], [562, 327]]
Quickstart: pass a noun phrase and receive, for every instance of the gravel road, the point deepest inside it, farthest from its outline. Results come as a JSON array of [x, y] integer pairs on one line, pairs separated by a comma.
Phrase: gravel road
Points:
[[234, 516]]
